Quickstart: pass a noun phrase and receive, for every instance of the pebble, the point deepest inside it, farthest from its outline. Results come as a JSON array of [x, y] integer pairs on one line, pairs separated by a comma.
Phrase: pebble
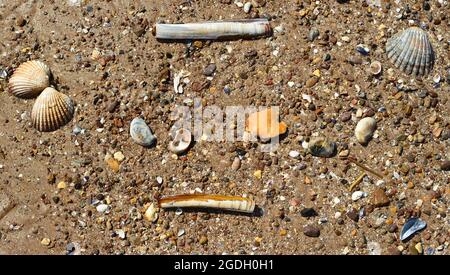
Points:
[[313, 34], [236, 164], [112, 163], [247, 7], [257, 174], [374, 248], [73, 249], [311, 231], [379, 198], [151, 214], [209, 70], [308, 212], [353, 215], [61, 185], [203, 240], [445, 165], [358, 195], [294, 154], [141, 133], [322, 147], [102, 208], [45, 241], [119, 156], [311, 82]]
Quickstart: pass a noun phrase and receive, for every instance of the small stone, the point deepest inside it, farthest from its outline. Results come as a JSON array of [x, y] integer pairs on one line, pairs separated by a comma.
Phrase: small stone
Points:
[[311, 231], [257, 174], [112, 107], [61, 185], [112, 163], [102, 208], [311, 82], [203, 240], [236, 164], [358, 194], [209, 70], [247, 7], [353, 215], [119, 156], [313, 34], [374, 248], [308, 212], [445, 165], [151, 214], [283, 232], [45, 241], [379, 198], [294, 154], [20, 21]]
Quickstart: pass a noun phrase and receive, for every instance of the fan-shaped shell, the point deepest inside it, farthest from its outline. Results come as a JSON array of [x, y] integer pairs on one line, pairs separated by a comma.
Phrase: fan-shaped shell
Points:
[[411, 51], [51, 110], [29, 79]]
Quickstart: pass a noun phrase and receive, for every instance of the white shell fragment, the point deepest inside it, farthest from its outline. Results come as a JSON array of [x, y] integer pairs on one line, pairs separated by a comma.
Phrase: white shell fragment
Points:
[[181, 141], [364, 129], [411, 51], [151, 214], [30, 79], [232, 203], [214, 29], [51, 110], [375, 68], [141, 133]]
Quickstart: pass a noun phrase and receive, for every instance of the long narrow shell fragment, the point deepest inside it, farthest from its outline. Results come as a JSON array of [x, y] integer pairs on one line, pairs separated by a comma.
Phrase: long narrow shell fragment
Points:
[[411, 51], [51, 110], [29, 79], [214, 29], [232, 203]]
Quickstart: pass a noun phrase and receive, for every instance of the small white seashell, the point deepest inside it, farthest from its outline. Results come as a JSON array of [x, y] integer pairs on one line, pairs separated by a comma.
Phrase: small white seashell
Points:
[[51, 110], [364, 129], [294, 154], [181, 142], [102, 208], [411, 51], [30, 79], [141, 133]]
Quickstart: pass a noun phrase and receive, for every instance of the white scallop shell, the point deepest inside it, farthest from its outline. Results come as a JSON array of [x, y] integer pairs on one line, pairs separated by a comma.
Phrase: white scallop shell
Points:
[[181, 142], [364, 129], [411, 51], [29, 79], [51, 110]]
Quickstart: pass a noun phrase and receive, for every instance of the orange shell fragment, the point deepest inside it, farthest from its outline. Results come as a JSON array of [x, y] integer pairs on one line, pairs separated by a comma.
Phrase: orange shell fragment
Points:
[[265, 124]]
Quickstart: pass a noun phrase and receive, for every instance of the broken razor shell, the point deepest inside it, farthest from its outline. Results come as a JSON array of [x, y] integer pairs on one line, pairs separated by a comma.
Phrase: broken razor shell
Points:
[[232, 203]]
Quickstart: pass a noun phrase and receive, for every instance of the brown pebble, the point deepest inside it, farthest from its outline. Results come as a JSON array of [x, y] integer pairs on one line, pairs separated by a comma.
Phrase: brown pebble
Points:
[[311, 231], [311, 82], [379, 198]]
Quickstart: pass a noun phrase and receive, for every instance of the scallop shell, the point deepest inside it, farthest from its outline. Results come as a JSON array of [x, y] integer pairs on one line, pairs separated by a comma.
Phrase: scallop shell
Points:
[[411, 51], [141, 133], [364, 129], [51, 110], [29, 79], [181, 142]]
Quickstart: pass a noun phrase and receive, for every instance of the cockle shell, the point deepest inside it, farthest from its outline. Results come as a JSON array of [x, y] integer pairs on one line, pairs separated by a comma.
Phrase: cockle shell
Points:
[[181, 141], [364, 129], [411, 51], [29, 79], [51, 110], [141, 133]]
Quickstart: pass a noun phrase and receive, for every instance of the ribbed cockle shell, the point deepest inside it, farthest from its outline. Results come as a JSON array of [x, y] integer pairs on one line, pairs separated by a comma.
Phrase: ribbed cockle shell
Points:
[[30, 79], [411, 51], [51, 110]]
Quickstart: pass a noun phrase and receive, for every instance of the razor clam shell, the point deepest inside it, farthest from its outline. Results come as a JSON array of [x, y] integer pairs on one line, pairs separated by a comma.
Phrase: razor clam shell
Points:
[[51, 110], [411, 51], [231, 203], [30, 79], [412, 226], [214, 29], [181, 141], [141, 133]]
